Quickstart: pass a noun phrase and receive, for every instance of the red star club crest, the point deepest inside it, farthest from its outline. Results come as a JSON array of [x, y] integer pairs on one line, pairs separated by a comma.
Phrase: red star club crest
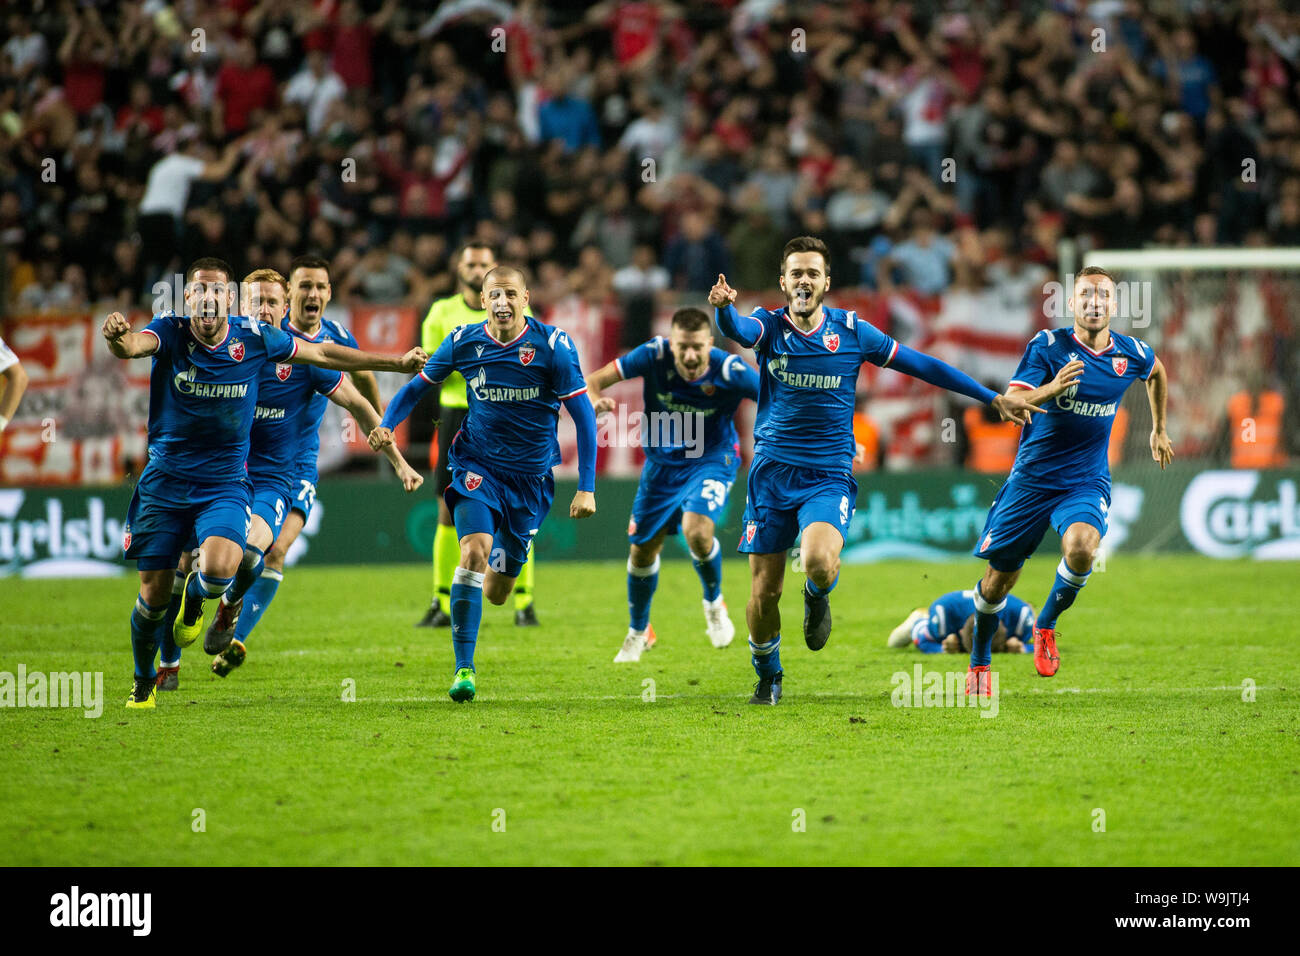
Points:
[[832, 341], [282, 372], [526, 353], [1120, 365], [126, 539], [472, 480], [631, 526], [236, 350], [988, 540], [749, 532]]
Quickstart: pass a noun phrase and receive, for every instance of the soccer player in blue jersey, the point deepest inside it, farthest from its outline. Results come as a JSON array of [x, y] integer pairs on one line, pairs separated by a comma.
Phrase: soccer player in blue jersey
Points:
[[518, 372], [286, 417], [691, 391], [949, 625], [309, 294], [203, 394], [801, 480], [1061, 475]]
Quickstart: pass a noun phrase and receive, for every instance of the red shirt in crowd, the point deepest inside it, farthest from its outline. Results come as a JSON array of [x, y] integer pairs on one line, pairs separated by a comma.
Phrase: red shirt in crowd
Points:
[[83, 85], [243, 91]]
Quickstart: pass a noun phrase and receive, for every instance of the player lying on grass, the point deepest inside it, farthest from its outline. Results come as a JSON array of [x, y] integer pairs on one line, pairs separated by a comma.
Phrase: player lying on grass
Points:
[[801, 480], [949, 626], [289, 410], [1061, 474], [203, 394], [518, 373], [691, 392]]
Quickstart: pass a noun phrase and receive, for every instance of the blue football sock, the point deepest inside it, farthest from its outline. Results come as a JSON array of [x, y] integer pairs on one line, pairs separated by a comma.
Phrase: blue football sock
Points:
[[815, 591], [922, 639], [256, 601], [169, 655], [145, 621], [986, 626], [250, 568], [201, 587], [709, 568], [641, 584], [1065, 589], [766, 657], [466, 612]]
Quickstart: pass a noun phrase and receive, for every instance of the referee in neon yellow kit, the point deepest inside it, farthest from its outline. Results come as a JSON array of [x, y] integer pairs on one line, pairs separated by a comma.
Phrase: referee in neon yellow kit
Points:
[[473, 261]]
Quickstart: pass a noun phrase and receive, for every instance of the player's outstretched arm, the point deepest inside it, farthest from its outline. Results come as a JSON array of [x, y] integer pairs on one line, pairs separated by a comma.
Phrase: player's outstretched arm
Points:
[[584, 420], [343, 359], [930, 369], [124, 343], [600, 380], [743, 329], [1162, 449]]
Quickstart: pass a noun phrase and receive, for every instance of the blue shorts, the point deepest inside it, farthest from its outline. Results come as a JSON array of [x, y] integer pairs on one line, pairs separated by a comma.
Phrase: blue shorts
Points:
[[666, 491], [1020, 516], [782, 500], [302, 493], [165, 511], [505, 504], [272, 499]]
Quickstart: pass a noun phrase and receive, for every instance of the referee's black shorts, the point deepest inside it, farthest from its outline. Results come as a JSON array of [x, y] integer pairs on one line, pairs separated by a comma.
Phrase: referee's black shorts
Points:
[[450, 420]]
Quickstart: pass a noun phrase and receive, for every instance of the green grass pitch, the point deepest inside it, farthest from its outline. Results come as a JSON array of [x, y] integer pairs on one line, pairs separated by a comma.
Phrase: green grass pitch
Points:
[[562, 760]]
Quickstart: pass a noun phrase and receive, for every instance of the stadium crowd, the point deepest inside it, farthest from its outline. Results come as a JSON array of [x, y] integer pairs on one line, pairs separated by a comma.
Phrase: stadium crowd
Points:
[[628, 152]]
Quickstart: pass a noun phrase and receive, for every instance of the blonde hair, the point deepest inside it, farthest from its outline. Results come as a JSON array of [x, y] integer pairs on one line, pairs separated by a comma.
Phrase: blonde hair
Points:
[[267, 275]]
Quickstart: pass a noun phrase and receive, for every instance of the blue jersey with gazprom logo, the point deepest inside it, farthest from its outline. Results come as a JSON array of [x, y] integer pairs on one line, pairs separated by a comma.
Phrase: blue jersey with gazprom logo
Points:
[[304, 467], [952, 609], [202, 398], [1068, 442], [285, 397], [515, 389], [689, 420], [808, 385]]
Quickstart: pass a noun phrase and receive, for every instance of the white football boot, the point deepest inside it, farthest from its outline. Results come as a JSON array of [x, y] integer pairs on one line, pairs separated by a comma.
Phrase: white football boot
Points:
[[633, 647], [901, 636], [717, 624]]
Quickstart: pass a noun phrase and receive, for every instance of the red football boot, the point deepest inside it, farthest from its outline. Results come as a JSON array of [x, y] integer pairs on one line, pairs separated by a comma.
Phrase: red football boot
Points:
[[1046, 660], [978, 681]]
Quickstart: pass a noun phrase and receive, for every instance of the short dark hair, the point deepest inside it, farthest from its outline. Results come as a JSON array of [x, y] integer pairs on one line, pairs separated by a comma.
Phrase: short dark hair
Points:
[[506, 274], [692, 320], [1095, 271], [473, 244], [806, 244], [309, 262], [210, 264]]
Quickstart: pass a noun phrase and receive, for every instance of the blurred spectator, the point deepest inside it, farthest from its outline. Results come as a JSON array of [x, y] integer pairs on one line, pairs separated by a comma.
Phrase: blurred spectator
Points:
[[924, 260], [564, 116], [243, 87], [639, 287], [696, 255], [316, 88], [166, 194]]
